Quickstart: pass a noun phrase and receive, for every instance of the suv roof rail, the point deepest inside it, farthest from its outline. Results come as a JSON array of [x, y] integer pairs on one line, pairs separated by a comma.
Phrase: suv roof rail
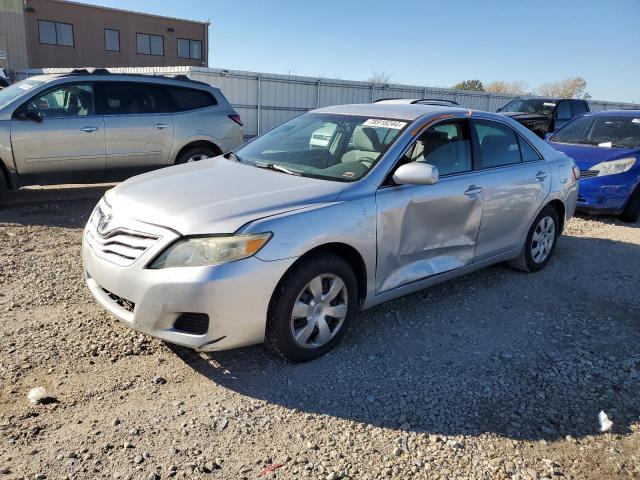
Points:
[[103, 71], [419, 101]]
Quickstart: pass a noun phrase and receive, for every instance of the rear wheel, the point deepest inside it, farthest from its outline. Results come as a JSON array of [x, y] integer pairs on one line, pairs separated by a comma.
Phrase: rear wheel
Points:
[[196, 154], [311, 308], [540, 242], [631, 213]]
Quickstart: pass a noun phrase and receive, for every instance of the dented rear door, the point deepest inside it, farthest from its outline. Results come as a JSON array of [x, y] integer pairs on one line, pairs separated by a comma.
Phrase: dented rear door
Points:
[[424, 230]]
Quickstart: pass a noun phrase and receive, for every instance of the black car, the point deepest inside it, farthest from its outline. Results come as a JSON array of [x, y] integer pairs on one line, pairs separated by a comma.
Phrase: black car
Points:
[[544, 114]]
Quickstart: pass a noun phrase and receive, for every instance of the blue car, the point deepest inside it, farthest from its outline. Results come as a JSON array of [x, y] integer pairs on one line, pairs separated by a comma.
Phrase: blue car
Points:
[[606, 147]]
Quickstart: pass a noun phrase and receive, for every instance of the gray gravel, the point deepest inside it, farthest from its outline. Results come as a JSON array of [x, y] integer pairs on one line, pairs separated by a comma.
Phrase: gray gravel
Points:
[[496, 375]]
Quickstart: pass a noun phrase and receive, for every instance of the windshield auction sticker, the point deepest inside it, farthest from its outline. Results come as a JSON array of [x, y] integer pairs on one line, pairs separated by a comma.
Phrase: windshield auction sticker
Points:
[[377, 122]]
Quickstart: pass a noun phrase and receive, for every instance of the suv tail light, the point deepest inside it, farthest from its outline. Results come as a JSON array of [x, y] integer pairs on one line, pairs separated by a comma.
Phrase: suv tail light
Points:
[[237, 119], [576, 172]]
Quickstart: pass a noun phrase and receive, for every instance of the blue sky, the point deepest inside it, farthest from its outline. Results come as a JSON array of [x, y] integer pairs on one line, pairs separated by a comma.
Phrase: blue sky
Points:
[[424, 42]]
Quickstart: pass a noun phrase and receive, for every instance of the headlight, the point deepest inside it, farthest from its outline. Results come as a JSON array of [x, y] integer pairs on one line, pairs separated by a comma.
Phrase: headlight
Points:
[[614, 166], [204, 251]]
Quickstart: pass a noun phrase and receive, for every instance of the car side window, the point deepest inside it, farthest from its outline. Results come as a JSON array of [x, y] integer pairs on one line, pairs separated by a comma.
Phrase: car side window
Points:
[[579, 108], [133, 98], [75, 100], [446, 146], [528, 152], [563, 111], [498, 144], [186, 99]]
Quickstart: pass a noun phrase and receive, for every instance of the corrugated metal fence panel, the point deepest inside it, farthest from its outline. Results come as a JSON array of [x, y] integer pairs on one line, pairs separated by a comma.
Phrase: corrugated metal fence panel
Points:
[[264, 100]]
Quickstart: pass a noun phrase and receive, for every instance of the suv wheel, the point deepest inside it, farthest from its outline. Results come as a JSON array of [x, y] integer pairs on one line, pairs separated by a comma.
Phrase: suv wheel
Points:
[[311, 308], [196, 154], [540, 242]]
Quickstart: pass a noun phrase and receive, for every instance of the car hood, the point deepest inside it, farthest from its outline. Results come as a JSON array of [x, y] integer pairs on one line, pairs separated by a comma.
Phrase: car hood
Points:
[[215, 196], [525, 117], [586, 156]]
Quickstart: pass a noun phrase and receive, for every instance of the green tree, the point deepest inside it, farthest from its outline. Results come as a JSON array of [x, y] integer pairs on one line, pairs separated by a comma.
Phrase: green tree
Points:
[[474, 85]]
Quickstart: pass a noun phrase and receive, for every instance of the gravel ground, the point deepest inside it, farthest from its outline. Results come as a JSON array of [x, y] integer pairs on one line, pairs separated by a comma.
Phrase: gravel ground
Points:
[[495, 375]]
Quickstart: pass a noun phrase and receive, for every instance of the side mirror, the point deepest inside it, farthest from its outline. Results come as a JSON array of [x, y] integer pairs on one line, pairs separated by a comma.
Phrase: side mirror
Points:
[[416, 173], [33, 115]]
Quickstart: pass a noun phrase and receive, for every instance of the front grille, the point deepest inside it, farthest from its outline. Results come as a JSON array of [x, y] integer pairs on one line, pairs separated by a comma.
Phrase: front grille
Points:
[[121, 246], [128, 305], [588, 173], [192, 323]]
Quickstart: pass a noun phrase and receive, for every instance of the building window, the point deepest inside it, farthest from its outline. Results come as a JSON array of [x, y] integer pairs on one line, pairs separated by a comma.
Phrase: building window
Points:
[[111, 40], [189, 49], [55, 33], [150, 44]]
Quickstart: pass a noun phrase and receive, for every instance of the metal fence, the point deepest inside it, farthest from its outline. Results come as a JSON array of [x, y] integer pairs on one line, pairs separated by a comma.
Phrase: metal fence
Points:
[[265, 100]]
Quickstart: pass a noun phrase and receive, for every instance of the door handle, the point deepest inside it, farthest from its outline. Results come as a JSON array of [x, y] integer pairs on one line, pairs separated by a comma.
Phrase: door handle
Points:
[[88, 129], [541, 175], [473, 190], [160, 126]]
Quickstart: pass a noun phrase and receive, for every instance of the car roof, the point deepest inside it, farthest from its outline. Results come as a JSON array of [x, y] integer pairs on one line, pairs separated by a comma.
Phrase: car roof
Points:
[[617, 113], [397, 111]]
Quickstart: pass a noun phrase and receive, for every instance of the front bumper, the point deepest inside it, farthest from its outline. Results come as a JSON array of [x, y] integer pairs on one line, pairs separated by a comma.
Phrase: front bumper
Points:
[[608, 194], [235, 296]]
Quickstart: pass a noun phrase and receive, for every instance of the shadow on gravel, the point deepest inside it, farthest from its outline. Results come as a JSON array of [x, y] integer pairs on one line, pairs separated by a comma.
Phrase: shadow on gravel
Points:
[[66, 206], [525, 356], [607, 219]]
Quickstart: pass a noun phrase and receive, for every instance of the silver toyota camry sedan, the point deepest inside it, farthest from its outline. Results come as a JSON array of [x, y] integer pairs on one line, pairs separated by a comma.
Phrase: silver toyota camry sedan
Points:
[[337, 210]]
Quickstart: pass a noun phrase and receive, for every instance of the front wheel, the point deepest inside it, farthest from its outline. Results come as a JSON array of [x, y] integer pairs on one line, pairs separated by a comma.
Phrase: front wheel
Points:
[[631, 212], [311, 308], [540, 242]]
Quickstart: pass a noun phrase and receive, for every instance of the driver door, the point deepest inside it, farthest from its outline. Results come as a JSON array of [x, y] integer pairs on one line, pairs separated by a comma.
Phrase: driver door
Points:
[[425, 230], [69, 137]]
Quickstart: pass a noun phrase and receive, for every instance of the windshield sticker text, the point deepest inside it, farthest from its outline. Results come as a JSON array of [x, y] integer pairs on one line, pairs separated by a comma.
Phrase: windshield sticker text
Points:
[[376, 122]]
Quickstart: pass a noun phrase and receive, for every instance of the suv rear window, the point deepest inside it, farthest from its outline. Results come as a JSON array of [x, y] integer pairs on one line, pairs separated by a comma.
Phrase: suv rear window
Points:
[[191, 99]]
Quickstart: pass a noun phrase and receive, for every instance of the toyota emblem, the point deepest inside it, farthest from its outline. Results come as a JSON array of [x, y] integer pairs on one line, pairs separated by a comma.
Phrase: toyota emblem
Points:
[[104, 222]]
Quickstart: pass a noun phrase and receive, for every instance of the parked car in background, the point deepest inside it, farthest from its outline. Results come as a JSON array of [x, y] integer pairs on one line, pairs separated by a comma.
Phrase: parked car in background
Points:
[[606, 147], [92, 127], [543, 115], [284, 241], [4, 79]]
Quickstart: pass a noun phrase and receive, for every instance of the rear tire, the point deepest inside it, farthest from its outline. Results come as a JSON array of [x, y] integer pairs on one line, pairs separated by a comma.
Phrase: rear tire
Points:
[[540, 242], [300, 326], [196, 154], [631, 213]]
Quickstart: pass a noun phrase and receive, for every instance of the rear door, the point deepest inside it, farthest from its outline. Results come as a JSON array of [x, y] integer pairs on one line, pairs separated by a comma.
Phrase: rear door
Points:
[[70, 137], [138, 124], [515, 182], [424, 230]]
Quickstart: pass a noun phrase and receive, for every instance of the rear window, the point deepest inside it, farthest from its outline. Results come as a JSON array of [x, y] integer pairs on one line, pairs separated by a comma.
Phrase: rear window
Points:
[[190, 99]]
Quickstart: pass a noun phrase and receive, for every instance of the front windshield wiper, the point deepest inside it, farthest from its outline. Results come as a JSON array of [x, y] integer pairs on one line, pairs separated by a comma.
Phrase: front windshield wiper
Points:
[[232, 156], [278, 168]]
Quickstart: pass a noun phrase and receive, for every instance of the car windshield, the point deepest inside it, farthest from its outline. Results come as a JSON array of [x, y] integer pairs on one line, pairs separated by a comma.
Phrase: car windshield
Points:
[[326, 146], [9, 94], [601, 130], [539, 106]]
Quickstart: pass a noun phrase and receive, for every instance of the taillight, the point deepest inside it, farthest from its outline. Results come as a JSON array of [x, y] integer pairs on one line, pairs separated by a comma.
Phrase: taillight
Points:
[[576, 172], [237, 119]]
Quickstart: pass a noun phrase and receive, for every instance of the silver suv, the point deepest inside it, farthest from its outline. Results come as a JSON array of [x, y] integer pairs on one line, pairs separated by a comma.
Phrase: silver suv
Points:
[[93, 127]]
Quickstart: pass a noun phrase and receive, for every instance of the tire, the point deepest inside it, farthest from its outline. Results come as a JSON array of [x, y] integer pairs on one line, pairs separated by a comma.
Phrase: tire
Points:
[[4, 185], [314, 329], [192, 154], [538, 251], [631, 212]]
